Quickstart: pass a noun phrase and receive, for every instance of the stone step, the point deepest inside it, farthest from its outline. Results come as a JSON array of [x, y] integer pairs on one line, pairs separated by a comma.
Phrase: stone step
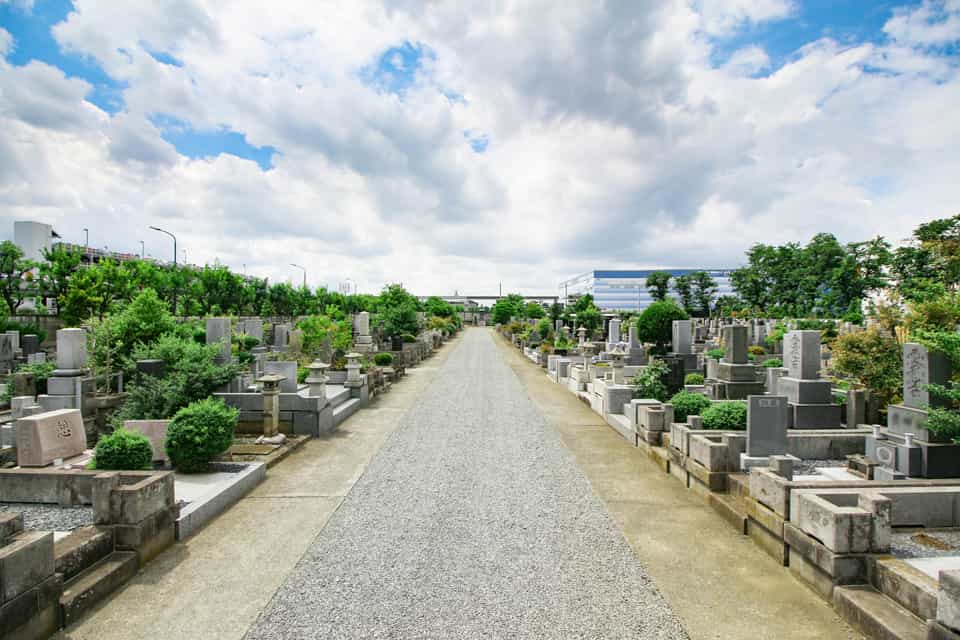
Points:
[[345, 410], [81, 549], [909, 587], [877, 616], [96, 583], [339, 398]]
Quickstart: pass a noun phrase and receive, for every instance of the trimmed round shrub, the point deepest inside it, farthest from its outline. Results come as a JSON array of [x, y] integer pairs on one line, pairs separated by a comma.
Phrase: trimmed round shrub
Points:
[[408, 338], [693, 378], [655, 324], [687, 403], [756, 350], [725, 416], [773, 362], [123, 450], [716, 354], [199, 432], [383, 359]]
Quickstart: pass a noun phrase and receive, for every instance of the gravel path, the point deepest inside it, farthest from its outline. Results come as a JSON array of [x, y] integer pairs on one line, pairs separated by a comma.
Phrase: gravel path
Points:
[[50, 517], [473, 521]]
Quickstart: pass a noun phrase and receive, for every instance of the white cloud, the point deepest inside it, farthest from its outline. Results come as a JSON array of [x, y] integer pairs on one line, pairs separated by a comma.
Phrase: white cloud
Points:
[[935, 22], [7, 42], [614, 142]]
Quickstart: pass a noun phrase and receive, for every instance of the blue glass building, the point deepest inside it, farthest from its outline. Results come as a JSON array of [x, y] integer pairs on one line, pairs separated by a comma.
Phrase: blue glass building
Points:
[[627, 290]]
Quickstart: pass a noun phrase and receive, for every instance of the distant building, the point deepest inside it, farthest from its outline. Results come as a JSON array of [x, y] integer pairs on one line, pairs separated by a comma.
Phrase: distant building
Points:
[[33, 238], [627, 290]]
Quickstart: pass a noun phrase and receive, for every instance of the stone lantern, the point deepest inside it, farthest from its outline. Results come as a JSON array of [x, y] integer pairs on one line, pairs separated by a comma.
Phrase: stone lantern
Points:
[[271, 402], [317, 380]]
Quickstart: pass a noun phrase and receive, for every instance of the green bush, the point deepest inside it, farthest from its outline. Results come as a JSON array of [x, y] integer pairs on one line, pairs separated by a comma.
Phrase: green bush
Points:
[[716, 354], [198, 433], [25, 329], [687, 403], [408, 338], [650, 383], [756, 350], [123, 450], [773, 362], [694, 378], [655, 324], [383, 359], [726, 416]]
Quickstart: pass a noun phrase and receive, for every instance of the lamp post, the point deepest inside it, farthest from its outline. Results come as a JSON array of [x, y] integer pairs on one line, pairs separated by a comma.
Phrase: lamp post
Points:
[[86, 239], [304, 273], [174, 262], [142, 250]]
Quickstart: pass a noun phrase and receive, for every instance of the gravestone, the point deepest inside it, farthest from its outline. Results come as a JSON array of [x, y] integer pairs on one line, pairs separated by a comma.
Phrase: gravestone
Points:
[[286, 369], [37, 358], [15, 336], [613, 337], [281, 336], [766, 430], [811, 399], [71, 351], [155, 431], [921, 368], [154, 368], [45, 437], [220, 331], [364, 341], [801, 350], [6, 352], [29, 344], [253, 327], [682, 336], [296, 341], [735, 344]]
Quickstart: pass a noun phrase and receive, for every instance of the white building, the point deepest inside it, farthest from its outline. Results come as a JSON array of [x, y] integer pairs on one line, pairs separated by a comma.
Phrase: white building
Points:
[[627, 290]]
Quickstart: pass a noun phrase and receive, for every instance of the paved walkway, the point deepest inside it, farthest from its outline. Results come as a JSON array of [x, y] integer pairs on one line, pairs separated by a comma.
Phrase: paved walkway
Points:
[[474, 500]]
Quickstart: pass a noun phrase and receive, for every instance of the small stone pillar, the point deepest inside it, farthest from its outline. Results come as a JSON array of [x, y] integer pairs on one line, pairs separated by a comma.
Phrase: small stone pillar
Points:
[[581, 336], [616, 356], [271, 403], [353, 370], [317, 380]]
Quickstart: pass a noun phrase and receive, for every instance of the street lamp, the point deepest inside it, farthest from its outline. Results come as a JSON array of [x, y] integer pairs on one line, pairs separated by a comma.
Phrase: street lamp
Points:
[[86, 239], [142, 250], [304, 273], [174, 262]]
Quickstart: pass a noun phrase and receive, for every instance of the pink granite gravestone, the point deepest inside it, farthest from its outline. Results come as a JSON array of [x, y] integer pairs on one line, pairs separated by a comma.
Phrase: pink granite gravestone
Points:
[[45, 437]]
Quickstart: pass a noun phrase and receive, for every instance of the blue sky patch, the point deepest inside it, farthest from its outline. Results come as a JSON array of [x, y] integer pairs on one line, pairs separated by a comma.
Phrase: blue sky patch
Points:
[[162, 57], [849, 22], [33, 40], [478, 141], [396, 69], [195, 143]]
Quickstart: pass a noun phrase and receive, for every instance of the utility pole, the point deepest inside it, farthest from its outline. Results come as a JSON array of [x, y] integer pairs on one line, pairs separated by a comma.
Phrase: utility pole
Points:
[[174, 262]]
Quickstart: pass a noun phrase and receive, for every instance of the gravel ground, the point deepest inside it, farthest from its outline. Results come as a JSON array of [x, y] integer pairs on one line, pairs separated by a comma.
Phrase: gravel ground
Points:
[[50, 517], [473, 521], [917, 544], [809, 467]]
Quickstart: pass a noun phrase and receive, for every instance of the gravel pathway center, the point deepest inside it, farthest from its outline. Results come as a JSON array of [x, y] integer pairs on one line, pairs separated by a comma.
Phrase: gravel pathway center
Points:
[[473, 521]]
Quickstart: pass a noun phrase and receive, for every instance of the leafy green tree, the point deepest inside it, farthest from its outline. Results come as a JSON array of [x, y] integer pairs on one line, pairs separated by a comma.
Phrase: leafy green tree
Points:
[[533, 311], [55, 271], [704, 290], [655, 324], [506, 308], [439, 307], [658, 284], [556, 311], [14, 275], [282, 299], [683, 286], [873, 359]]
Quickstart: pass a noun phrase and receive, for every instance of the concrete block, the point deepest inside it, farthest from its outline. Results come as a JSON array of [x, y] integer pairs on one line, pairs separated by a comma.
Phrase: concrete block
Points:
[[25, 562]]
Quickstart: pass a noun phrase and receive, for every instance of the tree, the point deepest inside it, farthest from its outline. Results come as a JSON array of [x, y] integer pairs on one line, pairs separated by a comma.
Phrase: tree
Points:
[[14, 275], [506, 308], [658, 284], [704, 291], [55, 272], [556, 312], [438, 307], [655, 324], [683, 285], [873, 359], [533, 311]]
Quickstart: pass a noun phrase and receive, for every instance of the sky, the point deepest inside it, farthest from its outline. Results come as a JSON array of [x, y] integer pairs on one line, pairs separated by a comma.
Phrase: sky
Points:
[[460, 147]]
